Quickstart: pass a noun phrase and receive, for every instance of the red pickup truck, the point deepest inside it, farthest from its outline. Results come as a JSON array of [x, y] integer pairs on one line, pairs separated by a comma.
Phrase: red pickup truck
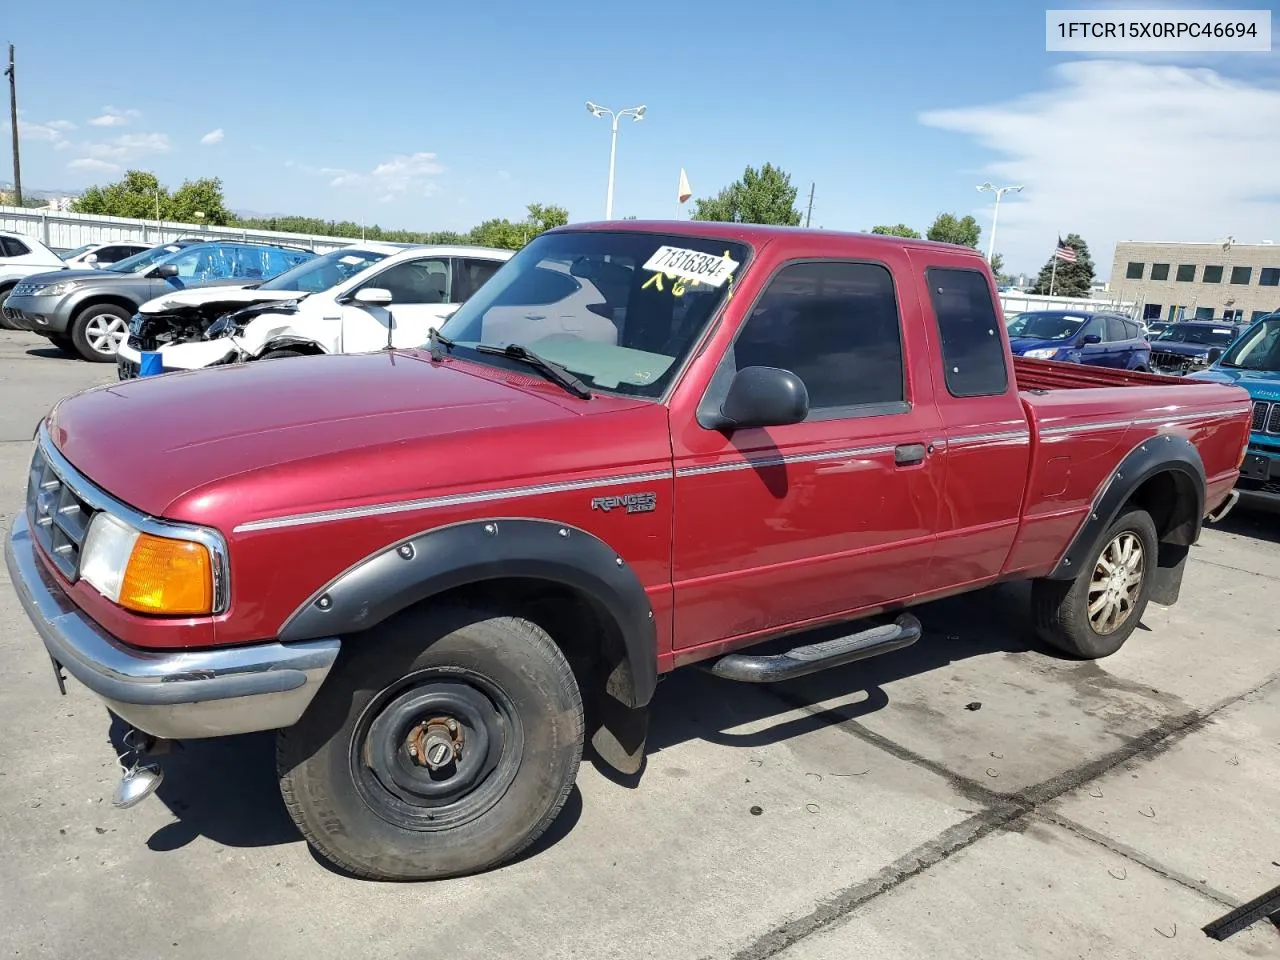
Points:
[[438, 572]]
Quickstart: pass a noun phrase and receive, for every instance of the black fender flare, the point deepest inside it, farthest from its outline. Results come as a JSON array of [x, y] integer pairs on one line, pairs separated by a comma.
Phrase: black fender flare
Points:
[[443, 558], [1161, 454]]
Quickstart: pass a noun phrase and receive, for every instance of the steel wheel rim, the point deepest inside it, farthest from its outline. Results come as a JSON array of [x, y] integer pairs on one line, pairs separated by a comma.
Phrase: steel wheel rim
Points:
[[399, 787], [1116, 583], [104, 332]]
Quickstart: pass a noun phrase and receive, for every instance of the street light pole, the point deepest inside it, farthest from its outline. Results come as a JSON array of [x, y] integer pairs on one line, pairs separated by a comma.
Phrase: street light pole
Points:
[[637, 114], [995, 216]]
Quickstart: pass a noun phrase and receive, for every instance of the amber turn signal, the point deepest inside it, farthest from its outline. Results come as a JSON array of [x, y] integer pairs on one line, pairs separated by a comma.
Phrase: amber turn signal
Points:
[[168, 577]]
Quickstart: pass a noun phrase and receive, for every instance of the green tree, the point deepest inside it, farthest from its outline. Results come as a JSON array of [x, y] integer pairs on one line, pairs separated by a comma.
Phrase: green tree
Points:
[[137, 195], [897, 230], [203, 196], [997, 264], [947, 228], [1071, 279], [761, 196]]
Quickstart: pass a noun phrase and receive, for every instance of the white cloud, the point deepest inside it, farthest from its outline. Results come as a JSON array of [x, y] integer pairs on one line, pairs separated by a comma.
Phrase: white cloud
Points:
[[91, 165], [52, 132], [129, 146], [403, 173], [115, 117], [212, 137], [61, 125], [1127, 151]]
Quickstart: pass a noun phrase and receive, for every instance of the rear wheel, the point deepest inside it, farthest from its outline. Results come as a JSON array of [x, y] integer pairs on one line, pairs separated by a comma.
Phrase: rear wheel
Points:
[[1093, 615], [444, 742], [99, 330]]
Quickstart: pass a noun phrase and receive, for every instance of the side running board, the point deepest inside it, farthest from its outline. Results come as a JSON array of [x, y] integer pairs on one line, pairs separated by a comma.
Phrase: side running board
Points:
[[800, 661]]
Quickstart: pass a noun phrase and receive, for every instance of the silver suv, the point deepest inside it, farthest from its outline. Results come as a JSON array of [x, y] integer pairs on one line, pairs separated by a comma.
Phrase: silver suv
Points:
[[87, 312]]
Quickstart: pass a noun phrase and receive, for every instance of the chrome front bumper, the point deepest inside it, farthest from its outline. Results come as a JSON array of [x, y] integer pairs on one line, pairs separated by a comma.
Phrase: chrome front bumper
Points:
[[177, 694]]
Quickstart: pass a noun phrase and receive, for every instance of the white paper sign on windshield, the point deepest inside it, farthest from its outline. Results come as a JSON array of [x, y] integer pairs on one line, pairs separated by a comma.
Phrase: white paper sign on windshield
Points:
[[692, 265]]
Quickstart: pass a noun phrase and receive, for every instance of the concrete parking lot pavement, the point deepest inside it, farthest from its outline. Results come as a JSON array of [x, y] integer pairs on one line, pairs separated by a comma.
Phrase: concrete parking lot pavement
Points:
[[972, 796]]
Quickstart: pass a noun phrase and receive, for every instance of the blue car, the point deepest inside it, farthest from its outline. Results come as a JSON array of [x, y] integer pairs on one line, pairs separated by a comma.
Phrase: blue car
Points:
[[1253, 362], [1076, 336]]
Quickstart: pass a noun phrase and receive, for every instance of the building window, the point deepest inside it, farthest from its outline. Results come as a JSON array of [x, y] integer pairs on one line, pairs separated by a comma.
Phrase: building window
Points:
[[1269, 277], [1233, 316], [1241, 274], [1134, 272], [1204, 313], [1258, 315], [1151, 311], [1186, 273], [1212, 274], [1159, 271], [1175, 313]]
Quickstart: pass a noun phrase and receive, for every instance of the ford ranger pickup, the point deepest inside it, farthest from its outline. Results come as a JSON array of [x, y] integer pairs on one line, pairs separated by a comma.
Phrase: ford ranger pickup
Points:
[[439, 572]]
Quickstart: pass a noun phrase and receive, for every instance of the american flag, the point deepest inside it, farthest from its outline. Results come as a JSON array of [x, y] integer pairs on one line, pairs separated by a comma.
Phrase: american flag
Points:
[[1065, 253]]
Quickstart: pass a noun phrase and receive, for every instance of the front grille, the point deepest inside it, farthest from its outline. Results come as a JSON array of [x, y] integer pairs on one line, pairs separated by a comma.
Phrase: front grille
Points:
[[1165, 360], [59, 518], [11, 314], [1260, 410]]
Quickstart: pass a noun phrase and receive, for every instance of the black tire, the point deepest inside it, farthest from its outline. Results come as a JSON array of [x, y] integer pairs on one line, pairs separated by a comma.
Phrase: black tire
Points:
[[5, 322], [281, 354], [1061, 607], [96, 324], [63, 343], [358, 795]]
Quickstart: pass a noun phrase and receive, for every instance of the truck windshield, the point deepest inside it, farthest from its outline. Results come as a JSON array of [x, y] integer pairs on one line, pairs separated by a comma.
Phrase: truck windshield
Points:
[[1202, 334], [324, 272], [1045, 325], [621, 310], [1258, 349]]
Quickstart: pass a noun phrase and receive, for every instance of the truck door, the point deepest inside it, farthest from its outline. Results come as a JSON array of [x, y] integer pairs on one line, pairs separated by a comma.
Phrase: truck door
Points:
[[986, 440], [779, 526]]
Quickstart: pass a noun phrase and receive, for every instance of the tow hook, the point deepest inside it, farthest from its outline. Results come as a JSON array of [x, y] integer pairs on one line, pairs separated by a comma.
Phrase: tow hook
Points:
[[140, 778]]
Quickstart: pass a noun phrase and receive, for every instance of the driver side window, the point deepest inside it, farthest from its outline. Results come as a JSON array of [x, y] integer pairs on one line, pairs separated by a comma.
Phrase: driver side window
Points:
[[416, 282]]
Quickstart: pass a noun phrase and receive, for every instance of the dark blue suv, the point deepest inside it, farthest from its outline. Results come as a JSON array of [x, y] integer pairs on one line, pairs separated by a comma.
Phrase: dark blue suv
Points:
[[1076, 336]]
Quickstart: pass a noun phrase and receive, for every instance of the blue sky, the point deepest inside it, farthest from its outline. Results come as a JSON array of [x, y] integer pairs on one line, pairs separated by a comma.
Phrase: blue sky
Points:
[[438, 116]]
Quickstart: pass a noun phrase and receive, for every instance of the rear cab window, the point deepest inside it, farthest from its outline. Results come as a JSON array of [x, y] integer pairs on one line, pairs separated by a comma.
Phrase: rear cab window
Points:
[[975, 361]]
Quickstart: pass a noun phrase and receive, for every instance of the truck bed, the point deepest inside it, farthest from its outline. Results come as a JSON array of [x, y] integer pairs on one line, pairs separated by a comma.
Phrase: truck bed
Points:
[[1039, 375]]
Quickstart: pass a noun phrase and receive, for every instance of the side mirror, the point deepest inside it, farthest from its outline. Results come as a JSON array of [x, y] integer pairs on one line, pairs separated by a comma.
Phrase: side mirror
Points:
[[1215, 354], [373, 297], [91, 258], [166, 270], [1090, 338], [763, 397]]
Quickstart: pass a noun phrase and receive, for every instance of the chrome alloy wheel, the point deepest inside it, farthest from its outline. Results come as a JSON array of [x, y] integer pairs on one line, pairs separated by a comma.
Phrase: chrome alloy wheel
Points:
[[105, 332], [1116, 583]]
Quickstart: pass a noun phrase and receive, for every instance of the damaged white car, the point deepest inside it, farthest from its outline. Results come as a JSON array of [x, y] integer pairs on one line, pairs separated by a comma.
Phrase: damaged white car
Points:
[[353, 300]]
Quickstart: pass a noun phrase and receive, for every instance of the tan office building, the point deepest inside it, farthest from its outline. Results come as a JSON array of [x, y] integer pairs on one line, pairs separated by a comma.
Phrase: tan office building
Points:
[[1203, 281]]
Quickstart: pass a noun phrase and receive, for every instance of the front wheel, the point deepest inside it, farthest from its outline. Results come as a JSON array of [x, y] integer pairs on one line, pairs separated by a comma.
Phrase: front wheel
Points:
[[443, 743], [1092, 616], [98, 331]]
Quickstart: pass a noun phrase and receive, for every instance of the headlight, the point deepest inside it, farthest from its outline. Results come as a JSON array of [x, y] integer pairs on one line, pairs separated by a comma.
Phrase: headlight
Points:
[[55, 289], [146, 573], [1045, 353]]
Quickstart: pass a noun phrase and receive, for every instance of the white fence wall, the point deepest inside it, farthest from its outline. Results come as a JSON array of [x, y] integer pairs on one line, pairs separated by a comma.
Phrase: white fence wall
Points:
[[1012, 302], [68, 230]]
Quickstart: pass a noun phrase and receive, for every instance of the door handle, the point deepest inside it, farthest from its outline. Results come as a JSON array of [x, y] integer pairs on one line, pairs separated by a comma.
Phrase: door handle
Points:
[[905, 454]]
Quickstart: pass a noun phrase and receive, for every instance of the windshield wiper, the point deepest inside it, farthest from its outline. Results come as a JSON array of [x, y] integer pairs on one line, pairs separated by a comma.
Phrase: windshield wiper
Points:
[[436, 340], [553, 371], [1232, 366]]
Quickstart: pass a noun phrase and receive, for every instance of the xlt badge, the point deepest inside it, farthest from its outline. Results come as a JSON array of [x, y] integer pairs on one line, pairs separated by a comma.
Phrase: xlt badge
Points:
[[634, 502]]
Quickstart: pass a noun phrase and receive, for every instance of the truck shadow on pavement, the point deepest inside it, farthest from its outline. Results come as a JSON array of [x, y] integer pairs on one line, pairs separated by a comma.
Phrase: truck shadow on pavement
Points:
[[226, 789], [1254, 524]]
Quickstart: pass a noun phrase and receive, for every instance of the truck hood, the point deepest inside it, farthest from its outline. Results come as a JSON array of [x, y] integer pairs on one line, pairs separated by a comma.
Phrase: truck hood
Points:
[[1181, 349], [325, 429], [228, 298], [1261, 384]]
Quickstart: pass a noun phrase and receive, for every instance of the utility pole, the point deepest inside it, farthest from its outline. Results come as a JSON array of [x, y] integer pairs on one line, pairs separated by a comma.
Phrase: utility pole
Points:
[[13, 126], [808, 217]]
